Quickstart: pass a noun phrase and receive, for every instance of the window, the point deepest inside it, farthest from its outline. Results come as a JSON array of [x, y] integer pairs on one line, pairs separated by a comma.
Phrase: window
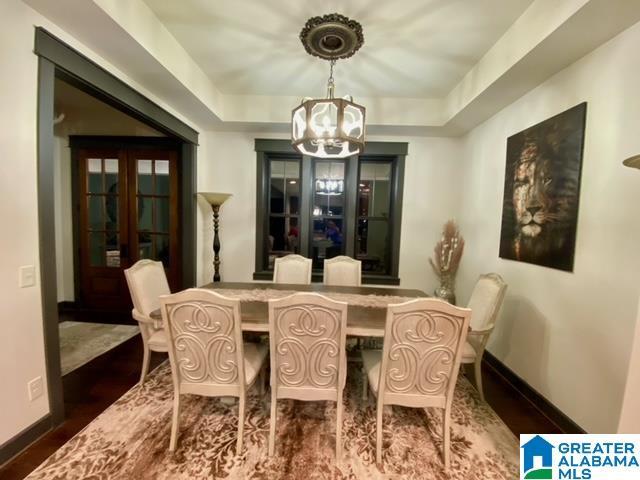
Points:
[[284, 208], [322, 208], [327, 240]]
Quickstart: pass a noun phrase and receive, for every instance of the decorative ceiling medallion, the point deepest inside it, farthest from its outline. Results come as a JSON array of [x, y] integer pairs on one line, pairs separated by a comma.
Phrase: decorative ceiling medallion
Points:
[[332, 36]]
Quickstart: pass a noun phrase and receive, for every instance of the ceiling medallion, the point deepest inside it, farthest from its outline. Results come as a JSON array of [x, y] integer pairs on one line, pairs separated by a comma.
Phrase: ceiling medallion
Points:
[[329, 127], [332, 36]]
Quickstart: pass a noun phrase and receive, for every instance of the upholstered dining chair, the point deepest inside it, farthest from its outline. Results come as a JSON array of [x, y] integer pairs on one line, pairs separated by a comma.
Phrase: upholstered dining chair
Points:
[[307, 334], [343, 271], [207, 353], [294, 269], [147, 281], [485, 302], [419, 362]]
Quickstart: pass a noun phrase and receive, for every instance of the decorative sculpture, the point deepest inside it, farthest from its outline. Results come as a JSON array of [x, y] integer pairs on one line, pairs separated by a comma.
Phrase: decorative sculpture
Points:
[[448, 253]]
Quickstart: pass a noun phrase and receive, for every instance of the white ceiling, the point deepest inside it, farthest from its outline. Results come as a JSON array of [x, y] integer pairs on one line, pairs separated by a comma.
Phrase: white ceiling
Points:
[[413, 48]]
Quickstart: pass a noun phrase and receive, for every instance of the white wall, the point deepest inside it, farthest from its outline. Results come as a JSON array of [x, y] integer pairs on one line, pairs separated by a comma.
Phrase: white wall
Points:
[[63, 212], [429, 200], [630, 413], [22, 343], [568, 335]]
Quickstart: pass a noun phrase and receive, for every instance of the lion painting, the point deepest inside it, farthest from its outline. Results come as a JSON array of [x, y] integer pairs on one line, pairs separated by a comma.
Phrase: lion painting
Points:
[[541, 191]]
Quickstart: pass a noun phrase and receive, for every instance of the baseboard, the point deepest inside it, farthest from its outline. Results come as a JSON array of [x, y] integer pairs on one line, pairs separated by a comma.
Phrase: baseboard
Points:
[[22, 440], [67, 305], [553, 413]]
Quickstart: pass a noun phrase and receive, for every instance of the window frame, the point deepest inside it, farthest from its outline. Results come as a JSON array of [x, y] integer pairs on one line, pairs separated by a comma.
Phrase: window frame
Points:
[[270, 149]]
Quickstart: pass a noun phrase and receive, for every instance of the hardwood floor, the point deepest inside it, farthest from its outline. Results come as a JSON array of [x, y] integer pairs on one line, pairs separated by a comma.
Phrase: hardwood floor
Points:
[[90, 389]]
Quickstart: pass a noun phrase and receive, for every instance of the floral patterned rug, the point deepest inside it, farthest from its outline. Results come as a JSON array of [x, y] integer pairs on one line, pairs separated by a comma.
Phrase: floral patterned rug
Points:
[[130, 439]]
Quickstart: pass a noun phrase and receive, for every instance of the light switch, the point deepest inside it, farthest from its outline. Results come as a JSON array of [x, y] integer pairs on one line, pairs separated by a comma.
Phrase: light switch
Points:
[[35, 388], [27, 276]]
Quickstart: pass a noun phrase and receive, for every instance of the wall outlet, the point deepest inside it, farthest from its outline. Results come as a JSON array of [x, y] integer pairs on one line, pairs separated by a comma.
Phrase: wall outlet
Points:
[[27, 276], [35, 388]]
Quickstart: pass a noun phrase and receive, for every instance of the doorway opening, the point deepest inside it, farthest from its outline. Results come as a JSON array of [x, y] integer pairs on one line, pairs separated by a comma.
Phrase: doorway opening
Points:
[[130, 193], [116, 202]]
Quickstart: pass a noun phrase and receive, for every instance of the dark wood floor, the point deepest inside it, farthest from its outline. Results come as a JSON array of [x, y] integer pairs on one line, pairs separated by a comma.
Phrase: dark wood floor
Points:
[[90, 389]]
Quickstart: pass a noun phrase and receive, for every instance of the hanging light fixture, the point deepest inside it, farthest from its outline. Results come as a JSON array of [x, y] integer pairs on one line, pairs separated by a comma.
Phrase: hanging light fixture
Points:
[[329, 127]]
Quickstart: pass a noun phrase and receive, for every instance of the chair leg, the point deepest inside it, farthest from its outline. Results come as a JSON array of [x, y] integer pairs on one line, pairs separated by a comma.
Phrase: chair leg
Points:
[[146, 358], [261, 379], [478, 375], [379, 432], [241, 413], [365, 384], [446, 436], [272, 425], [339, 408], [174, 422]]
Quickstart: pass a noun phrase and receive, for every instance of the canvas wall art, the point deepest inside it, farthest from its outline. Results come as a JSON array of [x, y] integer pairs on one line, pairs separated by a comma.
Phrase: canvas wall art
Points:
[[542, 191]]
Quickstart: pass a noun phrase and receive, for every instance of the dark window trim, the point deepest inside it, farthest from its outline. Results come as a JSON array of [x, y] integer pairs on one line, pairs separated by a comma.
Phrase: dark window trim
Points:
[[56, 59], [266, 149]]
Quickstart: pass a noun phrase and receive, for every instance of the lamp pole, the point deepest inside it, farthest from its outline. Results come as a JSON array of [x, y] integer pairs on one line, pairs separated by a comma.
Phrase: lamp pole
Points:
[[216, 243], [215, 200]]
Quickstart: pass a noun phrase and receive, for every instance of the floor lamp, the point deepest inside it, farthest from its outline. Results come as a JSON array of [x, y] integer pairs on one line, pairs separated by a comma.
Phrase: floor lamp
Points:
[[215, 200]]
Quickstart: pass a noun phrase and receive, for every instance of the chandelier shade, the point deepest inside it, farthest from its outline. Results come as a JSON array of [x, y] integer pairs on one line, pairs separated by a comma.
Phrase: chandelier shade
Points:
[[329, 127]]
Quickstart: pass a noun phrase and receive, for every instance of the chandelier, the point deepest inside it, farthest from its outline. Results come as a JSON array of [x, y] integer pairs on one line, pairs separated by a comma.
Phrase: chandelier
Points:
[[329, 127]]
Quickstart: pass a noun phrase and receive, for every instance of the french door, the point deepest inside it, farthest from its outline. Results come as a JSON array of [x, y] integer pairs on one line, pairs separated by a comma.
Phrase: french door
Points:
[[128, 208]]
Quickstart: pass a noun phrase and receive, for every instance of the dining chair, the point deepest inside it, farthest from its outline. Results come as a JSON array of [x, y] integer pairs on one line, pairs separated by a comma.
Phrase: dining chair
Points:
[[207, 353], [307, 334], [294, 269], [419, 362], [485, 303], [343, 271], [147, 281]]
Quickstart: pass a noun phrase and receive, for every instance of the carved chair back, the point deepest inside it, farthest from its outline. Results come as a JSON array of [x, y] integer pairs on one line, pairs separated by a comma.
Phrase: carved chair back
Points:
[[294, 269], [421, 353], [343, 270], [205, 342], [307, 334], [486, 300], [147, 281]]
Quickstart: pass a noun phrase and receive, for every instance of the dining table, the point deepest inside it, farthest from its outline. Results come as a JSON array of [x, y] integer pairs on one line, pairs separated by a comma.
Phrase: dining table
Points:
[[367, 306]]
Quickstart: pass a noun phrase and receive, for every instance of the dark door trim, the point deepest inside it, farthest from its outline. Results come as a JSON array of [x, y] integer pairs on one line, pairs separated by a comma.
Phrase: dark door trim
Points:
[[59, 60]]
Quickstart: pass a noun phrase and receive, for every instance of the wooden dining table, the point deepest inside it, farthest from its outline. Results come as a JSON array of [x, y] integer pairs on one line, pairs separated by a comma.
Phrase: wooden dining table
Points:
[[362, 321]]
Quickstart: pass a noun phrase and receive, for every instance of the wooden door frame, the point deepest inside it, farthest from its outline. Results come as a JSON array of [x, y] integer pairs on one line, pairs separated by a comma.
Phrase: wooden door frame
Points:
[[99, 142], [56, 59]]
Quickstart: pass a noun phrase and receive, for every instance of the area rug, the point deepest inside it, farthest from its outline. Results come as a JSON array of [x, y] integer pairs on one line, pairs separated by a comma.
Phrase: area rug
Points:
[[130, 439], [81, 342]]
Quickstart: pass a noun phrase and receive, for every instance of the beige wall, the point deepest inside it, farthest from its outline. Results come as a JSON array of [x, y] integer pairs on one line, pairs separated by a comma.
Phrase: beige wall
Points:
[[430, 170], [63, 211], [630, 413], [568, 335]]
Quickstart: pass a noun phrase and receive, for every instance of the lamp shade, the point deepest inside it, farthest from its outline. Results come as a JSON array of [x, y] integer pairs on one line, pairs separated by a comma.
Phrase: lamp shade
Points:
[[215, 198], [328, 127]]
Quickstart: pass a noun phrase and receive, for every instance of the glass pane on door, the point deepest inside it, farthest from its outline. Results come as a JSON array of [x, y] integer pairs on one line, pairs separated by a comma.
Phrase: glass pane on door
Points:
[[153, 209], [102, 212]]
